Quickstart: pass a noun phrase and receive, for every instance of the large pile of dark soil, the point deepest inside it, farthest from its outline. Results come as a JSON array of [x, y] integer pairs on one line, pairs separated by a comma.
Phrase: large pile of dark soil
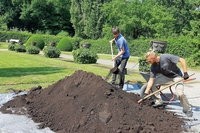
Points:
[[85, 103]]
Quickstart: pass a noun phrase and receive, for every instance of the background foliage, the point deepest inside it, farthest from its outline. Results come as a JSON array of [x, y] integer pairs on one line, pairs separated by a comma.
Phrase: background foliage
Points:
[[174, 21]]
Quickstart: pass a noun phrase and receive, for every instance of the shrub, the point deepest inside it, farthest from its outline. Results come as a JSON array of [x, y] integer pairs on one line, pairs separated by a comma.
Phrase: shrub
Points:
[[33, 50], [37, 40], [51, 52], [65, 44], [139, 47], [85, 44], [53, 44], [20, 48], [194, 59], [51, 38], [63, 33], [100, 46], [84, 56], [21, 35], [76, 43], [11, 46], [143, 65]]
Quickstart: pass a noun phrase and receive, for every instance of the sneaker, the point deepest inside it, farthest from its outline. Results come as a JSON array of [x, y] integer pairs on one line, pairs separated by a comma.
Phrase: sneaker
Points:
[[158, 103]]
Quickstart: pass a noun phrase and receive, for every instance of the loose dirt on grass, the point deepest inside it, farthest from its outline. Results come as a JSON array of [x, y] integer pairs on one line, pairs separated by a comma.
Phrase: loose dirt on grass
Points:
[[85, 103]]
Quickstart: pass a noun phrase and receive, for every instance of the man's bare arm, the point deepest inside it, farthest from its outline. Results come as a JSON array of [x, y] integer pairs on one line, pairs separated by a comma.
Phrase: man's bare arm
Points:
[[149, 85]]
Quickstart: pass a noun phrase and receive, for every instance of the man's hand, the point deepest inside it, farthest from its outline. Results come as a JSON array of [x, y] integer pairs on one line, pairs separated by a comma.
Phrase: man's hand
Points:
[[185, 76], [111, 41]]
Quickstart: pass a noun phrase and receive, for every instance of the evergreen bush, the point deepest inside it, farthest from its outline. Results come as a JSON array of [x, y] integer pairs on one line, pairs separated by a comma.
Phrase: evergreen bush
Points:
[[101, 46], [11, 46], [51, 38], [51, 52], [76, 43], [65, 44], [85, 44], [194, 60], [7, 35], [84, 56], [20, 48], [33, 50], [63, 33], [36, 40], [143, 65]]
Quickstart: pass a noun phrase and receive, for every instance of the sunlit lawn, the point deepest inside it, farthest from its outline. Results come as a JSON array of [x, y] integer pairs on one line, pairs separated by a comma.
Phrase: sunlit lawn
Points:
[[22, 71], [3, 45]]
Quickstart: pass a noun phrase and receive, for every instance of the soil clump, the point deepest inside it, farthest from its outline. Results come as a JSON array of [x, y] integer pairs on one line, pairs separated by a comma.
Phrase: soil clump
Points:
[[86, 103]]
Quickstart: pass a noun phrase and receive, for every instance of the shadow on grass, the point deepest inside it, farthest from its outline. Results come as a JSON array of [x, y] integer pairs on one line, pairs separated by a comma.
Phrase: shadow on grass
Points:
[[16, 72]]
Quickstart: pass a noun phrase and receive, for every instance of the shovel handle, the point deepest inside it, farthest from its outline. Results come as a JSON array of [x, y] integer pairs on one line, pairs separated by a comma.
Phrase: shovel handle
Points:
[[112, 50]]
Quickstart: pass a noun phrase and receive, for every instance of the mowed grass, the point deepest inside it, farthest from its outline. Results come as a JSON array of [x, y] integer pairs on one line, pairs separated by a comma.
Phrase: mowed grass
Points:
[[3, 45], [22, 71]]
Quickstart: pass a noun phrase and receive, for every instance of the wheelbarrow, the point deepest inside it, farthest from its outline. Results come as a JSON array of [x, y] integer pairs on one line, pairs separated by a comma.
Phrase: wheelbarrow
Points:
[[143, 88], [146, 76]]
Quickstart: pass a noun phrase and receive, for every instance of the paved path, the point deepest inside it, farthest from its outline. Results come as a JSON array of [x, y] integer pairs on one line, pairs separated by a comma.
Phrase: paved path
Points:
[[130, 65]]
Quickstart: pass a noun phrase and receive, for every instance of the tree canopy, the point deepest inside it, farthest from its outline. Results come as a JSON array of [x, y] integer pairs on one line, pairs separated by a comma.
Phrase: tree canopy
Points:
[[94, 19]]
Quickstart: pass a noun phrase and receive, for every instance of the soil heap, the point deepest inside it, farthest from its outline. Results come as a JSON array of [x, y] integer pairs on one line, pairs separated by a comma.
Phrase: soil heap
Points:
[[85, 103]]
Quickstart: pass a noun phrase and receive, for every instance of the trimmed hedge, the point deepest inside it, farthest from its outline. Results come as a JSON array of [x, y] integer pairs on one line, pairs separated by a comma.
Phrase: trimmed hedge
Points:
[[68, 44], [84, 56], [139, 47], [48, 39], [20, 48], [11, 47], [36, 40], [7, 35], [183, 46], [33, 50], [51, 52], [65, 44], [100, 46], [194, 60]]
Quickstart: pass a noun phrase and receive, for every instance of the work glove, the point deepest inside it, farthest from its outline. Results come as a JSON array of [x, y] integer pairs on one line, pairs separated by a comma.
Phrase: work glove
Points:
[[185, 75]]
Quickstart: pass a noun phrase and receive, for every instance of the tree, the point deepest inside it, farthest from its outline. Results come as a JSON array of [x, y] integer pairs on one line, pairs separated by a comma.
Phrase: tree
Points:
[[181, 13], [10, 12], [137, 18], [87, 18], [47, 16], [38, 15]]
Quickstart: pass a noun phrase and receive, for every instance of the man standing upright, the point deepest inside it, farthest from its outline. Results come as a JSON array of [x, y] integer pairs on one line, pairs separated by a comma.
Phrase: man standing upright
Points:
[[122, 56]]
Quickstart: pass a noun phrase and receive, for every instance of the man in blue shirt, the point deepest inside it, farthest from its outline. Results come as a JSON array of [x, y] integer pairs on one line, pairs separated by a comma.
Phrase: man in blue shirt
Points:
[[122, 57]]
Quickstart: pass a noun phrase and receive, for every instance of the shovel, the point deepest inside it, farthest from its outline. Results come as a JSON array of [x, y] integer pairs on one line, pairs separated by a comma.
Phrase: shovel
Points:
[[111, 48], [114, 70]]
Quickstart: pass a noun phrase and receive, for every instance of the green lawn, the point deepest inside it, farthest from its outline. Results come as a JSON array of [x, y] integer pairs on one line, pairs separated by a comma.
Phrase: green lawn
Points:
[[23, 71], [3, 45]]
